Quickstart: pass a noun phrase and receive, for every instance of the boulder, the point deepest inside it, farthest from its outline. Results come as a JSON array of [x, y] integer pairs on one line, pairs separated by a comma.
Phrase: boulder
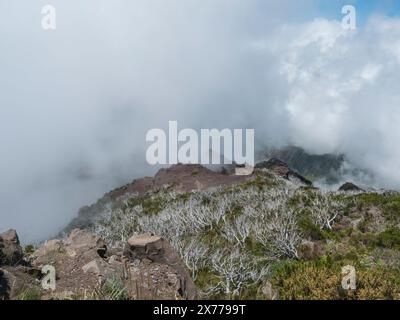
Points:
[[10, 249], [15, 281], [145, 246], [156, 249], [92, 267], [81, 241], [48, 247], [269, 292]]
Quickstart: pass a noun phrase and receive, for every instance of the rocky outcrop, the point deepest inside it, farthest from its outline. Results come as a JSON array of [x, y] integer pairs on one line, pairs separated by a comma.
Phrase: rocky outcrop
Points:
[[148, 268], [10, 248], [326, 165], [16, 276], [281, 169], [350, 187], [157, 250]]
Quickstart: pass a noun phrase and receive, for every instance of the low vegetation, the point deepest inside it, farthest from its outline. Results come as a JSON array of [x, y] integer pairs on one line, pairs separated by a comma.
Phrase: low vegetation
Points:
[[235, 239]]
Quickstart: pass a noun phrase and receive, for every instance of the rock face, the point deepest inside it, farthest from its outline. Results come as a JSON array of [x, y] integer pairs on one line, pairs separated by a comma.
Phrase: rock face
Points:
[[157, 250], [15, 273], [10, 248], [349, 186], [281, 169]]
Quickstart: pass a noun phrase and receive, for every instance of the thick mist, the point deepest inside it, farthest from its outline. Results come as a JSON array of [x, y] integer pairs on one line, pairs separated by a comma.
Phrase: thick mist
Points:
[[76, 102]]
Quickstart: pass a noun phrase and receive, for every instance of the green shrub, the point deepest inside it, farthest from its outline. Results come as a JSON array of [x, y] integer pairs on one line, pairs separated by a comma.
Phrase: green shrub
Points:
[[110, 290], [310, 229], [389, 203], [389, 238], [29, 249], [321, 280], [30, 293]]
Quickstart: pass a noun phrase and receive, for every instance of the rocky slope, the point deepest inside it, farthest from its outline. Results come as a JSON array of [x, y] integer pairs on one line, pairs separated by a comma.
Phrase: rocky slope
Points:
[[146, 268], [269, 235]]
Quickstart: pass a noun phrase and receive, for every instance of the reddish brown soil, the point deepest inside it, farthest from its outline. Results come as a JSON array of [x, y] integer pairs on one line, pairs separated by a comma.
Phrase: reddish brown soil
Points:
[[182, 178]]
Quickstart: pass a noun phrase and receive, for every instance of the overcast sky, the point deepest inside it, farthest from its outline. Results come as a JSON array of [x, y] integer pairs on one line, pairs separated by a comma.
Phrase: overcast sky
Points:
[[76, 102]]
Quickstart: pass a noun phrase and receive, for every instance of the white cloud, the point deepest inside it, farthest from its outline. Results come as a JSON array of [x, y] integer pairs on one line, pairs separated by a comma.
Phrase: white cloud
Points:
[[343, 91], [76, 102]]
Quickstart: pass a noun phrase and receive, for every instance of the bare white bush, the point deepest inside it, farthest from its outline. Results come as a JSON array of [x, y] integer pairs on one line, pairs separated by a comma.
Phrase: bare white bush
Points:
[[118, 227], [264, 215], [236, 271], [193, 253], [325, 210], [279, 235], [238, 230]]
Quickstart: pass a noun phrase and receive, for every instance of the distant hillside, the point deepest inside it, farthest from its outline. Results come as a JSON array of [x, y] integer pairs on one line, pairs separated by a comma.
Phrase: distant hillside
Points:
[[326, 165]]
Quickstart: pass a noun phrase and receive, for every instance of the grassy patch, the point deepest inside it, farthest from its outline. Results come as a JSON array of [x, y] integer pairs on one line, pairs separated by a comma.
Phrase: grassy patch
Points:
[[388, 202], [310, 230], [321, 280], [151, 204], [389, 238], [30, 293]]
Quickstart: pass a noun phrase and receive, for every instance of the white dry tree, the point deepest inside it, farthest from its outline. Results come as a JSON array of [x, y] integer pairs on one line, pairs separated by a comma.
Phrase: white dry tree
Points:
[[279, 234], [238, 230], [325, 210], [193, 253], [236, 271]]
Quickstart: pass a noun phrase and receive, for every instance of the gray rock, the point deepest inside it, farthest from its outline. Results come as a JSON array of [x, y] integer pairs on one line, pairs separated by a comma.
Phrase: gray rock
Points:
[[269, 292], [92, 267], [10, 249], [156, 249], [281, 169], [82, 241]]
